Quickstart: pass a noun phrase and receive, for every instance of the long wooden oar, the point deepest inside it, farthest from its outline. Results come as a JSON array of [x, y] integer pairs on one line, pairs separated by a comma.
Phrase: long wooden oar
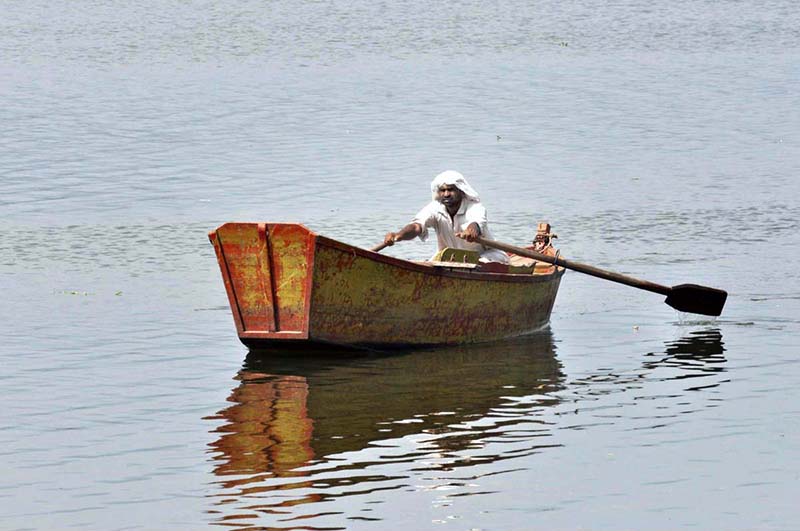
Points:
[[689, 298], [379, 248]]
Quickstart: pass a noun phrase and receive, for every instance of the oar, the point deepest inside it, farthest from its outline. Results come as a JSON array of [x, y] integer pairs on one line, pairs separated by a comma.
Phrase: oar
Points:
[[379, 248], [689, 298]]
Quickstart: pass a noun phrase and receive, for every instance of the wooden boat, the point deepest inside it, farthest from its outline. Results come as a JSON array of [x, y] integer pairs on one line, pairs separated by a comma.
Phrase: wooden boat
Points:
[[288, 286]]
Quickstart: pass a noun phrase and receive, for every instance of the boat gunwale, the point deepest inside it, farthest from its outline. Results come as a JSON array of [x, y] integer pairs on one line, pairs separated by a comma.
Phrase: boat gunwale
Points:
[[422, 267]]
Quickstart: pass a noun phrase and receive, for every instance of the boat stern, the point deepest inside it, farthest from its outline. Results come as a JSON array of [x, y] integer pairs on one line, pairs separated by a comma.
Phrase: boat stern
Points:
[[267, 270]]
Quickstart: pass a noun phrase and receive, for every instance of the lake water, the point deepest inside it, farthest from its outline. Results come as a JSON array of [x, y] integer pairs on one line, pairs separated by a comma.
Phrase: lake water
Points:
[[660, 139]]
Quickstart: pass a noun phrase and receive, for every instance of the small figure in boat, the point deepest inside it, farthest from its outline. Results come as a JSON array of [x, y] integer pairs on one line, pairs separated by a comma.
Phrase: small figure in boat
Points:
[[457, 216]]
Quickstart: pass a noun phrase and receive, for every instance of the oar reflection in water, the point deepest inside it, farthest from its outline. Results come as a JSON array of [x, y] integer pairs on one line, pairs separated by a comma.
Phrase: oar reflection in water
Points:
[[667, 380], [702, 351], [698, 357], [295, 416]]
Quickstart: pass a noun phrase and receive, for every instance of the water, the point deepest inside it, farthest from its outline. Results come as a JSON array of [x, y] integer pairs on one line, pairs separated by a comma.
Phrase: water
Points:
[[660, 140]]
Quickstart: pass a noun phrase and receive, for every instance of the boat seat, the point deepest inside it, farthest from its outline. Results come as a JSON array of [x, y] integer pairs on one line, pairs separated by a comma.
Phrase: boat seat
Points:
[[462, 256], [465, 259]]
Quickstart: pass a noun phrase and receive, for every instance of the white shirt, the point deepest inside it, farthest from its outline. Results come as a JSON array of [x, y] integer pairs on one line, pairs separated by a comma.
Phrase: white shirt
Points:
[[435, 216]]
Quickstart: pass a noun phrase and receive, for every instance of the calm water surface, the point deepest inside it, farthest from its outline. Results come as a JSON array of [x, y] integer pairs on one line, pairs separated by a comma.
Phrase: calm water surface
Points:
[[661, 140]]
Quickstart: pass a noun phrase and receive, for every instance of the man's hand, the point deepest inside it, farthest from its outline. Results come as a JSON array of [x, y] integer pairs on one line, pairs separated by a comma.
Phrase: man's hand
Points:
[[470, 233], [390, 238]]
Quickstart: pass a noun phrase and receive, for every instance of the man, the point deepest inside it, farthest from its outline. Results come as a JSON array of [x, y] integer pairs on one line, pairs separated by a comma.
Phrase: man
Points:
[[457, 216]]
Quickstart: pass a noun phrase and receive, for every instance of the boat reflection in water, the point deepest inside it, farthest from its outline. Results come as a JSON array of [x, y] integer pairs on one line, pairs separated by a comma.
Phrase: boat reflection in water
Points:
[[301, 416], [305, 428]]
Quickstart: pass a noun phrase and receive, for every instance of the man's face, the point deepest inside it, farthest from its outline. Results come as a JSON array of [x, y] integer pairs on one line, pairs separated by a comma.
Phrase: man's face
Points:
[[449, 195]]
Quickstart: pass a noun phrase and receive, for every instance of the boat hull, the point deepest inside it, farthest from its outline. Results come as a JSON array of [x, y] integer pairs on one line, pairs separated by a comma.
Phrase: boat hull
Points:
[[288, 286]]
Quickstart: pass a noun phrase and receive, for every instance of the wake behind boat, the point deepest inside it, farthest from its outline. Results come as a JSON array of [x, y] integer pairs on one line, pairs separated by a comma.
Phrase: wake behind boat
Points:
[[288, 286]]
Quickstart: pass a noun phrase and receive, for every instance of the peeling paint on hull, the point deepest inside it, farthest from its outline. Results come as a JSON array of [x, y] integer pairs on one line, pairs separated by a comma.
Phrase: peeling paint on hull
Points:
[[289, 286]]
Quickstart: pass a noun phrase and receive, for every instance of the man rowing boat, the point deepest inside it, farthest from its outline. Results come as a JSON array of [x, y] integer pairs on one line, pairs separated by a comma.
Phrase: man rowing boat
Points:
[[457, 216]]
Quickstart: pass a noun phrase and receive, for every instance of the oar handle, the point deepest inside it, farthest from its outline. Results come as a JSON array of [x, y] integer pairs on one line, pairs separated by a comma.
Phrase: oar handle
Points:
[[379, 248], [577, 266]]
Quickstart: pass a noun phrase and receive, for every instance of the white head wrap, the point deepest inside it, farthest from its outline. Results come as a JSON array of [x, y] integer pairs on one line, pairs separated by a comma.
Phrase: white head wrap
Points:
[[457, 180]]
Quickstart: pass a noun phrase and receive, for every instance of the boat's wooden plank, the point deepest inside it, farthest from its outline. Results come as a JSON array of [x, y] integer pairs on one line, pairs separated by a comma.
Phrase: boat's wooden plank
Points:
[[427, 268], [244, 255], [360, 300], [284, 334], [226, 277], [452, 265], [291, 250]]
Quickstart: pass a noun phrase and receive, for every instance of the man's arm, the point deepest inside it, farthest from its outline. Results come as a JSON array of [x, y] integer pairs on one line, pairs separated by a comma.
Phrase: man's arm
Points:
[[409, 232], [472, 231]]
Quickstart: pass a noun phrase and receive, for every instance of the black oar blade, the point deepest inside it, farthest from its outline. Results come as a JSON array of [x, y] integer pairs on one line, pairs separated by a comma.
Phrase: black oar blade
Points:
[[692, 298]]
